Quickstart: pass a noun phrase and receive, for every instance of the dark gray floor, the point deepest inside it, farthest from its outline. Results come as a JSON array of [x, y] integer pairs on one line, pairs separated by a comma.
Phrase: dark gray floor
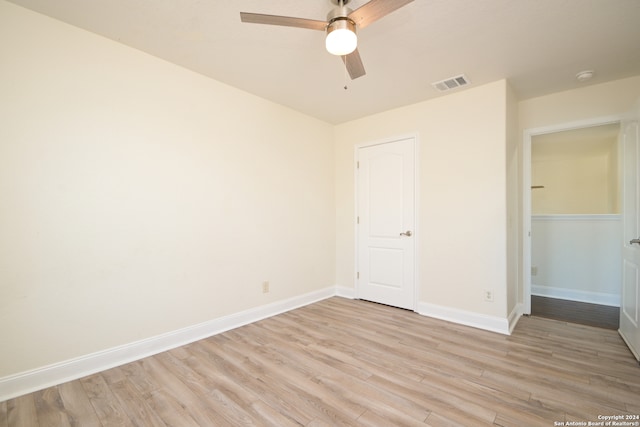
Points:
[[601, 316]]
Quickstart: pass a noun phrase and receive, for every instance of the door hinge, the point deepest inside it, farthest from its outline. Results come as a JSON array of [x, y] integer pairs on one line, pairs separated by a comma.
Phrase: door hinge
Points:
[[357, 220], [357, 165], [358, 275]]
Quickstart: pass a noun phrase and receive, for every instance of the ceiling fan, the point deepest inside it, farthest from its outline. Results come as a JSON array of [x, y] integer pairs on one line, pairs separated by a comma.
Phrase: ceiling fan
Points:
[[340, 27]]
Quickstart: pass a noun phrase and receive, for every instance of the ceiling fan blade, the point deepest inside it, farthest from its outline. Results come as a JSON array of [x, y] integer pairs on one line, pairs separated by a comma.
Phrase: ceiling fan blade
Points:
[[370, 12], [287, 21], [354, 65]]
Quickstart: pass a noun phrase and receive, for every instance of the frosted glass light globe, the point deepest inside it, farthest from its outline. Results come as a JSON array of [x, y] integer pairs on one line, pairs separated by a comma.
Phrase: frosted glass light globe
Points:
[[341, 37]]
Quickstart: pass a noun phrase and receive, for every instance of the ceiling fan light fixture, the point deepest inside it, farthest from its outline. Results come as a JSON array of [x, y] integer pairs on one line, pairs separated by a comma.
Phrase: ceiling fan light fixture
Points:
[[339, 27], [341, 36]]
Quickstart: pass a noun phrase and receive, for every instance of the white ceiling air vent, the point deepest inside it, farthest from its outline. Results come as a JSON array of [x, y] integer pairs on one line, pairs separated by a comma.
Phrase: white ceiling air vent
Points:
[[451, 83]]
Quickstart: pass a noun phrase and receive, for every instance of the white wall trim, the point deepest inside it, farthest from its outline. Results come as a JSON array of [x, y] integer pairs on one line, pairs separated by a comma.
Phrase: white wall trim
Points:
[[58, 373], [576, 217], [468, 318], [37, 379], [514, 316], [345, 292], [576, 295]]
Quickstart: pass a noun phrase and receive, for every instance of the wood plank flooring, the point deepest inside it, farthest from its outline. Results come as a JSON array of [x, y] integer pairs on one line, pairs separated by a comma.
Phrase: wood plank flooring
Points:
[[345, 362], [601, 316]]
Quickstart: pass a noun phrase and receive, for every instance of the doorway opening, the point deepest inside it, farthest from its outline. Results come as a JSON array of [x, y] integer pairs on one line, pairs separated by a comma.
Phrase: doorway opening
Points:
[[573, 223]]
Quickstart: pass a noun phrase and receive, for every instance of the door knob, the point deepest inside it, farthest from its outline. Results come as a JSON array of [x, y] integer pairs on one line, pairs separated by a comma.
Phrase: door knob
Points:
[[408, 234], [632, 241]]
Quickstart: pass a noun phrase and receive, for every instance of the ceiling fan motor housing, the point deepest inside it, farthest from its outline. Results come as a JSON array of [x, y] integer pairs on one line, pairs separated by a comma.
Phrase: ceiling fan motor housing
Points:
[[341, 23], [340, 11]]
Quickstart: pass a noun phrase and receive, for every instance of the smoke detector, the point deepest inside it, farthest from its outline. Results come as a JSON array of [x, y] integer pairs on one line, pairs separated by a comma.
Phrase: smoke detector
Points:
[[585, 75]]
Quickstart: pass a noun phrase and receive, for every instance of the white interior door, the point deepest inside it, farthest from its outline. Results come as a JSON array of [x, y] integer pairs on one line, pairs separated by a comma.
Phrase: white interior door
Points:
[[386, 219], [630, 301]]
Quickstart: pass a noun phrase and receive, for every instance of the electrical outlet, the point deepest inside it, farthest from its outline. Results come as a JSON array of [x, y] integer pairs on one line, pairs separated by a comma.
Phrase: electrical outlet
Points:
[[534, 270], [265, 287], [488, 296]]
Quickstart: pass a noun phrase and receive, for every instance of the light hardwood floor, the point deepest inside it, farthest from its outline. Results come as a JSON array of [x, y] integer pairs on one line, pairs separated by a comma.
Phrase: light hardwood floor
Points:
[[345, 362]]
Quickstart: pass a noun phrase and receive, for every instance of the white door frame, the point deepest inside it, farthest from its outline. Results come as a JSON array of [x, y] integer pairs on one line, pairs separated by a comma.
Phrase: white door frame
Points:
[[526, 191], [416, 192], [630, 335]]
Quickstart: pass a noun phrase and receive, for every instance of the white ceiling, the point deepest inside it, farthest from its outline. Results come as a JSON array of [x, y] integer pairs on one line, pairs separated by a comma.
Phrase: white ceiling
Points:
[[539, 45]]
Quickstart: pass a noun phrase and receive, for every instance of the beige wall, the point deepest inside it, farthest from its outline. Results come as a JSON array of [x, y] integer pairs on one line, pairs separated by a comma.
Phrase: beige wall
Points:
[[600, 100], [462, 195], [513, 209], [576, 180], [140, 198]]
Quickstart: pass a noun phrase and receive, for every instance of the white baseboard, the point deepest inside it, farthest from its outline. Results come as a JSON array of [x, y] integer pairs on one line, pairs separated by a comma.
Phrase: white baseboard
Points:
[[514, 316], [344, 292], [576, 295], [468, 318], [58, 373]]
